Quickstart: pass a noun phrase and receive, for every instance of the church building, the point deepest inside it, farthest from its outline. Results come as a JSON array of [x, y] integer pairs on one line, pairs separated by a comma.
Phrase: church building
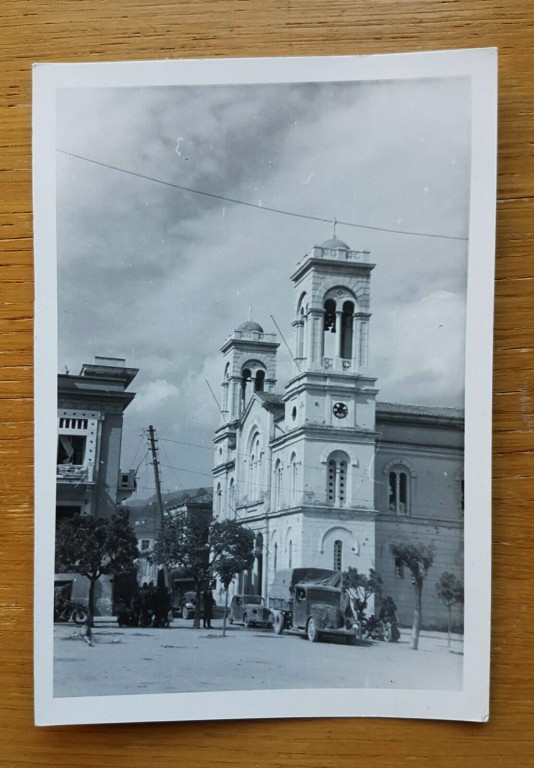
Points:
[[324, 473]]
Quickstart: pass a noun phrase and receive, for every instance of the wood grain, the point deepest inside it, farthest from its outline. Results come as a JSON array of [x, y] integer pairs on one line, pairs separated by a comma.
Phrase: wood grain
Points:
[[70, 30]]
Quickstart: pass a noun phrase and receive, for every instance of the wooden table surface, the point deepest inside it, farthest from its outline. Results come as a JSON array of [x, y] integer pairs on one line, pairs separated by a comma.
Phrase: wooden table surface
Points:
[[92, 30]]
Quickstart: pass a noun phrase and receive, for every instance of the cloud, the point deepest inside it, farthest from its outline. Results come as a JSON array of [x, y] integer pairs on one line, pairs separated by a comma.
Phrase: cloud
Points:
[[426, 365], [162, 275], [152, 395]]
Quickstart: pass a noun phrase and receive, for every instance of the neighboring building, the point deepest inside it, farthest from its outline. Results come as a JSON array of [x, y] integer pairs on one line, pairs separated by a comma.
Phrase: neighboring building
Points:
[[90, 416], [89, 479], [324, 474]]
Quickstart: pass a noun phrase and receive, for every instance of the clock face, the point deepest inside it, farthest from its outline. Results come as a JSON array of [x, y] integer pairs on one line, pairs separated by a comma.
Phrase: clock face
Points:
[[340, 410]]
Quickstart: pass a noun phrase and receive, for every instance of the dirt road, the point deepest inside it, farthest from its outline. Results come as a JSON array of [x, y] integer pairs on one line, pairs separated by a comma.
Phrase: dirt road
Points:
[[180, 658]]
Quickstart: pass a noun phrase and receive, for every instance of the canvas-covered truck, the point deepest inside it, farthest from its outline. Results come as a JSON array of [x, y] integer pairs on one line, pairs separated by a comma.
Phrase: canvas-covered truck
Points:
[[309, 600]]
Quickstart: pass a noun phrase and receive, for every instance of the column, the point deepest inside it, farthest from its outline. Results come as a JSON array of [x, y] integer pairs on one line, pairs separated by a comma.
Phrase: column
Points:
[[339, 332], [355, 360]]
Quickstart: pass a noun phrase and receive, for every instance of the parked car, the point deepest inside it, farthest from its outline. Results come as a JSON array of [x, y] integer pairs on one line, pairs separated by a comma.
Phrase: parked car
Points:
[[250, 610], [186, 608]]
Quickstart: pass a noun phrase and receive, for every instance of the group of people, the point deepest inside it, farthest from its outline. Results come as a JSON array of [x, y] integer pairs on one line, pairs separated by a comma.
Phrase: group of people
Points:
[[149, 607]]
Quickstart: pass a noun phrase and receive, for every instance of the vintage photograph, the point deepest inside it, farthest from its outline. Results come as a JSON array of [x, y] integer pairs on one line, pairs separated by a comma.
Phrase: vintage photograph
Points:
[[258, 480]]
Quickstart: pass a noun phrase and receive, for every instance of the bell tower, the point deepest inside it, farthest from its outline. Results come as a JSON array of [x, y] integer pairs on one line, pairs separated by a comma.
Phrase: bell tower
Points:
[[249, 366], [331, 384]]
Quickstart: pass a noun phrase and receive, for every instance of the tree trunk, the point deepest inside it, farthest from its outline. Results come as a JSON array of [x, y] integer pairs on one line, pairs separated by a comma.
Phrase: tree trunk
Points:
[[417, 613], [225, 612], [449, 626], [91, 608], [198, 600]]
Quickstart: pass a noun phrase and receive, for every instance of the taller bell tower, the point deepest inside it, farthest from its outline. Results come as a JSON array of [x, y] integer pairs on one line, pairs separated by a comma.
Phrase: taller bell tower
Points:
[[331, 385]]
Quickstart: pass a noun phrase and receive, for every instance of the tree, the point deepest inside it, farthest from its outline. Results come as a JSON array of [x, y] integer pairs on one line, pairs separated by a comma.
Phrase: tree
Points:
[[418, 558], [450, 591], [232, 552], [94, 547], [183, 540], [205, 548], [363, 587]]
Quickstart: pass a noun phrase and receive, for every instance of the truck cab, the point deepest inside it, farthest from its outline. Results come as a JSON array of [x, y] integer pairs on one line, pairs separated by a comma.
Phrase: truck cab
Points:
[[312, 606]]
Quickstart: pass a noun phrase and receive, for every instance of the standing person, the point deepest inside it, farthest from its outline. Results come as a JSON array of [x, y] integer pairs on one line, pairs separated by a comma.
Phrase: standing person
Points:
[[151, 605], [388, 613], [208, 608], [143, 605], [163, 607]]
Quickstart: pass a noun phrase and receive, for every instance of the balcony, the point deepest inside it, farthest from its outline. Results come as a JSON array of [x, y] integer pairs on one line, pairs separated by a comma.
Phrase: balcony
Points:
[[72, 473]]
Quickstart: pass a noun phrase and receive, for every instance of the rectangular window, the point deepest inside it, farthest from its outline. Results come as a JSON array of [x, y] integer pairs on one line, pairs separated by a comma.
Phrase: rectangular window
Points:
[[145, 544], [71, 450]]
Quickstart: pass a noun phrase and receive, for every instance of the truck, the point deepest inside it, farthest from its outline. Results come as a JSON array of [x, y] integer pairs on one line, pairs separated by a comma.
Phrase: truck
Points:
[[309, 601]]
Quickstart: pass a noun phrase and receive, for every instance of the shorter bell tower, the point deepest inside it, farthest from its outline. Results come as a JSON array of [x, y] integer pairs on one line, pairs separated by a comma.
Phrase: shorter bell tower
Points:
[[249, 366]]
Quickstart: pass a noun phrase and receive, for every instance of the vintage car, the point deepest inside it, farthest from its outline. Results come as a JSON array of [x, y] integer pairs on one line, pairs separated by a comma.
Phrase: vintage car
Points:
[[250, 610], [184, 607]]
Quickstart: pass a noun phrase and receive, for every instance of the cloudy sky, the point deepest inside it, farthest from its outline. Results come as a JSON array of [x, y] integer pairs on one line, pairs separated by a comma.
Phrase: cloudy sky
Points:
[[160, 276]]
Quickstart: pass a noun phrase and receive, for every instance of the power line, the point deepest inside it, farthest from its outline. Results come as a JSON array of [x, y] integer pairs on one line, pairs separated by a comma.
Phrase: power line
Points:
[[270, 209]]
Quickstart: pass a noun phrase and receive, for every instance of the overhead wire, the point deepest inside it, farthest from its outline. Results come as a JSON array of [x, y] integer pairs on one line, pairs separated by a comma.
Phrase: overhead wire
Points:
[[259, 206]]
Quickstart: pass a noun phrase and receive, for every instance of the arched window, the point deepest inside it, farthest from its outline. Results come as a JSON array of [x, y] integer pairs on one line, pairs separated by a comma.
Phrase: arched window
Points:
[[256, 476], [218, 501], [275, 559], [336, 478], [399, 491], [338, 324], [329, 328], [252, 380], [225, 387], [259, 381], [231, 497], [293, 476], [246, 378], [290, 554], [277, 496], [301, 334], [338, 555]]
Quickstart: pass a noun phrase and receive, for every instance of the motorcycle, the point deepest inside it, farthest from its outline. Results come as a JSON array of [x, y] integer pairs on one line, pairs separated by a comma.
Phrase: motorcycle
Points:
[[70, 611]]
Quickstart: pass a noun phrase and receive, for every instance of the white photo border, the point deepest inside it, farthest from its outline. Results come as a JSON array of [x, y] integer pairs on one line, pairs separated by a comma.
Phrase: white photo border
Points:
[[471, 703]]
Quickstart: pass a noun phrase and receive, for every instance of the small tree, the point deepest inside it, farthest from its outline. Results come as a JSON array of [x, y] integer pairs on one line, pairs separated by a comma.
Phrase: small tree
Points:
[[232, 550], [94, 547], [192, 540], [182, 540], [418, 558], [362, 587], [450, 591]]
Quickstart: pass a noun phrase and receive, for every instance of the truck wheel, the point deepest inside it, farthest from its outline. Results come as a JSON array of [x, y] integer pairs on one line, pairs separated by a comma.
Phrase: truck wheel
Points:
[[312, 631], [278, 622]]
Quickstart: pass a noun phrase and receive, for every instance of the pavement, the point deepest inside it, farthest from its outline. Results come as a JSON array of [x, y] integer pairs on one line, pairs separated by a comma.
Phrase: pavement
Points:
[[179, 659]]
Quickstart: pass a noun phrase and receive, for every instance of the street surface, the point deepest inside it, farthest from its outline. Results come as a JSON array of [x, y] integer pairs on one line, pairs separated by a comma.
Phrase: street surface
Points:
[[180, 659]]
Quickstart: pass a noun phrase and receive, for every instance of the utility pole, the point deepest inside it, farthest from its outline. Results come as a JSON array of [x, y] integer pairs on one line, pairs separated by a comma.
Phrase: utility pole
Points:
[[155, 464]]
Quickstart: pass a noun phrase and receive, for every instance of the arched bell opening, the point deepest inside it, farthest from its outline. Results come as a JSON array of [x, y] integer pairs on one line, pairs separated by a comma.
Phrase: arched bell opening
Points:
[[346, 329]]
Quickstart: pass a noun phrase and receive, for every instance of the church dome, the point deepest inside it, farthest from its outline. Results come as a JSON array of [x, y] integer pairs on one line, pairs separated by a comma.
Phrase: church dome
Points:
[[250, 325], [335, 245]]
